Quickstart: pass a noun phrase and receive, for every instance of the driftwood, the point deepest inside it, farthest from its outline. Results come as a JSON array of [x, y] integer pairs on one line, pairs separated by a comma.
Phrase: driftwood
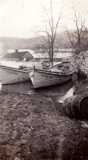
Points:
[[77, 106]]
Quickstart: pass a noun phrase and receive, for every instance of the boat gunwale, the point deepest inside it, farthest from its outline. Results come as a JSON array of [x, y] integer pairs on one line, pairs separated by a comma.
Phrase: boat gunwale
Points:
[[14, 69], [52, 73]]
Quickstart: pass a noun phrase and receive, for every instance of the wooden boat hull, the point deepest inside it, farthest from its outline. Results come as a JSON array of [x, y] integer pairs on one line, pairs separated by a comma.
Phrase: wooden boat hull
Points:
[[9, 75], [41, 78]]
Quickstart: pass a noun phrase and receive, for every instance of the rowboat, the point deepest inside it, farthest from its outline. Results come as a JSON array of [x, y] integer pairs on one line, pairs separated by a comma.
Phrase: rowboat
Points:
[[10, 75], [44, 78], [64, 67]]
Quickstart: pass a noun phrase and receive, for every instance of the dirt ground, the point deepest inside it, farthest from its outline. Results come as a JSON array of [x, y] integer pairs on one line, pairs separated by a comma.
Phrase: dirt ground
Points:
[[34, 127]]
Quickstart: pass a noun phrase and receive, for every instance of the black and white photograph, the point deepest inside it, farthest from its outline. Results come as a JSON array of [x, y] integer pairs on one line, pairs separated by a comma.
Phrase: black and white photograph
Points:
[[43, 80]]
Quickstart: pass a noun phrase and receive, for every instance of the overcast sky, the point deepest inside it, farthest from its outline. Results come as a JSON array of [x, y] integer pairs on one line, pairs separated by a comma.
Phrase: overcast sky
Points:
[[26, 18]]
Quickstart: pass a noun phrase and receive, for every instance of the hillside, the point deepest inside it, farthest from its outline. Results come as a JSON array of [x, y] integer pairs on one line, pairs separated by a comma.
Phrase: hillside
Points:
[[32, 43]]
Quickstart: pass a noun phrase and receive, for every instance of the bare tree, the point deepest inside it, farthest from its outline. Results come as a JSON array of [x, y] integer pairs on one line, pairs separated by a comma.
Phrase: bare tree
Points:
[[50, 33], [79, 37], [79, 42]]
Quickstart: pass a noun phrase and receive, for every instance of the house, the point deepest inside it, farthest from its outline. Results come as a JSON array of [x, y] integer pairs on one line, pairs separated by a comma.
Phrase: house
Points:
[[19, 55], [27, 56]]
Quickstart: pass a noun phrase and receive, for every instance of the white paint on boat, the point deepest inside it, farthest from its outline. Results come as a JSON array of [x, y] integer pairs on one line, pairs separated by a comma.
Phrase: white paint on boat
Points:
[[10, 75], [41, 78]]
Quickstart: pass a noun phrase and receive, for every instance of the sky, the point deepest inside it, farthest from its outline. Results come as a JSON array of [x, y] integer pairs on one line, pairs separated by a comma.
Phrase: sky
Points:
[[27, 18]]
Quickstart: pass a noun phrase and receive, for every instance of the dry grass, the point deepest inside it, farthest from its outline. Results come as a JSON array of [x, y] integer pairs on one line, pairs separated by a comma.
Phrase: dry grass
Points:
[[35, 128]]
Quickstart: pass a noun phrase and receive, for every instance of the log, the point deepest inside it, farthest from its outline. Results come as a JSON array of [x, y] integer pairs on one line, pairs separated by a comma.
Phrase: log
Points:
[[77, 106]]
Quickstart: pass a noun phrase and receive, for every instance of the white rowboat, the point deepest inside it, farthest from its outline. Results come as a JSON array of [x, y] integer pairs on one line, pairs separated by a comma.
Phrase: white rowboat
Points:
[[9, 75], [42, 78]]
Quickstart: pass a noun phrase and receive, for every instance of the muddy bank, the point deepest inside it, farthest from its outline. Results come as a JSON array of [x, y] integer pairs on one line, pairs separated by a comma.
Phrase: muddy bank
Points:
[[34, 127]]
